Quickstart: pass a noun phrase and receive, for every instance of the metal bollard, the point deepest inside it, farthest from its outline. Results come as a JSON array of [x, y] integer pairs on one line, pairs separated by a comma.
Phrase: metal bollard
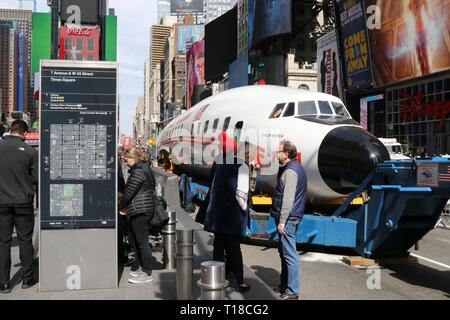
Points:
[[212, 282], [185, 255], [169, 235]]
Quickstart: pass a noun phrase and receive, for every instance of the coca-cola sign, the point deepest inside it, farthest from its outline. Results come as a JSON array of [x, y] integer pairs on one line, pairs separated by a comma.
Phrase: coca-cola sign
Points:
[[414, 107], [80, 31]]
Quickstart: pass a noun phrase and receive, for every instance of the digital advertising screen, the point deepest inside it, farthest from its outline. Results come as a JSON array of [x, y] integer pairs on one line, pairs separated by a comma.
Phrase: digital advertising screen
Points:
[[189, 34], [186, 6], [268, 18], [195, 69], [413, 40], [220, 44], [354, 44], [88, 10], [78, 158]]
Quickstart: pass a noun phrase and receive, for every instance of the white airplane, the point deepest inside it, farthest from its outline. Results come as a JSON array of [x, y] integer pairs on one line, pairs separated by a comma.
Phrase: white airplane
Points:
[[336, 152]]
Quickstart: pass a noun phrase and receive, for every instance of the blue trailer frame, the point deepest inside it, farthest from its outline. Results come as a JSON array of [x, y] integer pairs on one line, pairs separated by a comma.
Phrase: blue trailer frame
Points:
[[405, 203]]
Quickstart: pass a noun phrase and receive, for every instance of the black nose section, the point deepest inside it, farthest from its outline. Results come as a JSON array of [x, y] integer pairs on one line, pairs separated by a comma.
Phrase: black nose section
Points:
[[347, 155]]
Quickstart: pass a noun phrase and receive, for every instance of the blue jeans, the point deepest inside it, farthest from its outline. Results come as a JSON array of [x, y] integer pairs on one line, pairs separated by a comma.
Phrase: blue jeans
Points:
[[290, 264]]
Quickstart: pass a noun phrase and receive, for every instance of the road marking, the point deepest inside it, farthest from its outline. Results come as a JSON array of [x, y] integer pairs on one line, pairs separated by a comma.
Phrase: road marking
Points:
[[431, 261]]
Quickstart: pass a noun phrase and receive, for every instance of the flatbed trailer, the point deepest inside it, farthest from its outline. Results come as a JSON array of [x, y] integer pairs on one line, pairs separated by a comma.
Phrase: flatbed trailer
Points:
[[405, 200]]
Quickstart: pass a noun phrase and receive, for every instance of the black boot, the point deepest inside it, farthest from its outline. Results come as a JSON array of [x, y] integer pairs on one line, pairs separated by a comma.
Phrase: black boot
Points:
[[5, 288]]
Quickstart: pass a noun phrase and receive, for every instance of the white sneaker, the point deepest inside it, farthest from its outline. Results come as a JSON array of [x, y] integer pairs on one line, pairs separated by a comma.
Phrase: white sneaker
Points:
[[136, 273], [143, 278]]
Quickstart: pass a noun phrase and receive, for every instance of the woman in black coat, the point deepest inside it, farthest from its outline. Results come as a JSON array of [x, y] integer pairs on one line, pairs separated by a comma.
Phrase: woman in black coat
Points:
[[138, 199]]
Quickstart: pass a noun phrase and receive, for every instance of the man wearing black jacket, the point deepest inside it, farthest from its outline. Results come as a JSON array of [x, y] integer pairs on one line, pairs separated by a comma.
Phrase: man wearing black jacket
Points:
[[18, 175]]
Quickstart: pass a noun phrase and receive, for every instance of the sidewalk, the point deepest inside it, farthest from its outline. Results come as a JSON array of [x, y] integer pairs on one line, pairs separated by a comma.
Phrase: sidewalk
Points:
[[163, 286]]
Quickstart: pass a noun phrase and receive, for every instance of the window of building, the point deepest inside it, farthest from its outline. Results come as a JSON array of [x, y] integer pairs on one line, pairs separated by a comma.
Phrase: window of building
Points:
[[80, 44], [68, 44], [90, 45]]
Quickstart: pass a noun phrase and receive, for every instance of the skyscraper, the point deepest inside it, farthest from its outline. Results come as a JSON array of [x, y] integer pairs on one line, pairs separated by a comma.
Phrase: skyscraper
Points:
[[9, 67], [163, 9], [24, 21], [216, 8]]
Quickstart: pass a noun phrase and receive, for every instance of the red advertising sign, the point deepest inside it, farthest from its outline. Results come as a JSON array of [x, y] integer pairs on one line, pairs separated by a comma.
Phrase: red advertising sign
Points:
[[127, 144], [79, 43], [415, 107]]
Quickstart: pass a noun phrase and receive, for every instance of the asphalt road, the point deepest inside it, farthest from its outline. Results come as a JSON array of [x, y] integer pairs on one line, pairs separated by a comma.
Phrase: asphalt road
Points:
[[324, 276]]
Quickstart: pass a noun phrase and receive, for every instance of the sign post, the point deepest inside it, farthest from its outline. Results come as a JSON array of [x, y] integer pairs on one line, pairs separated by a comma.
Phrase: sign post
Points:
[[78, 180]]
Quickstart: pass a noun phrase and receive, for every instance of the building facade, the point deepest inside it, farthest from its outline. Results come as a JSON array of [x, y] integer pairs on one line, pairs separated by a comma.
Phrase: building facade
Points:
[[163, 9], [24, 20], [9, 67], [216, 8], [159, 34]]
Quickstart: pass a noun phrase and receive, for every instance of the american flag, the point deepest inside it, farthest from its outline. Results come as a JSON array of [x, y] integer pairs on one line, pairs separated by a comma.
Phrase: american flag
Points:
[[199, 114], [444, 173]]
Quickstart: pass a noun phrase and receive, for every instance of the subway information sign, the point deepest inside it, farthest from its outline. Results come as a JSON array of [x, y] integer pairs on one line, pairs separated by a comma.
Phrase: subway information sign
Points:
[[78, 158]]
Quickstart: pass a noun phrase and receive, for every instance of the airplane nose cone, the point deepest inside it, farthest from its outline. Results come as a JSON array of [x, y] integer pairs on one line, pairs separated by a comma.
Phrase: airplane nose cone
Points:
[[347, 155]]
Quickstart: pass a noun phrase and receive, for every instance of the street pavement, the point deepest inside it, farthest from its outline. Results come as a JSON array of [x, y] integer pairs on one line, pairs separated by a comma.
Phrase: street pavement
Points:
[[324, 276], [163, 287]]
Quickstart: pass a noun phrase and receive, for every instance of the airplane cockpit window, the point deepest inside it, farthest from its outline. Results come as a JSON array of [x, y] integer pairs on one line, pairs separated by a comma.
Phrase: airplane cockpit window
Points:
[[340, 109], [276, 113], [307, 108], [290, 110], [325, 108]]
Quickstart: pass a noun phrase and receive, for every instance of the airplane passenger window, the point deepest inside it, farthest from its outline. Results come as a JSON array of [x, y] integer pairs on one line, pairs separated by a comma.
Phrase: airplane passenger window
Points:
[[290, 110], [226, 124], [276, 113], [206, 126], [216, 124], [192, 129], [307, 108], [325, 108], [340, 109], [238, 130]]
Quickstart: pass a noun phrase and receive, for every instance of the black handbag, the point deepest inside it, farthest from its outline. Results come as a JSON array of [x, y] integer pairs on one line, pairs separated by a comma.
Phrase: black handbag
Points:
[[160, 216]]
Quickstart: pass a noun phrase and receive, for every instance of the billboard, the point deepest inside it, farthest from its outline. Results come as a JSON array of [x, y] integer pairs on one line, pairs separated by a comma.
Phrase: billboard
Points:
[[87, 9], [186, 6], [413, 40], [329, 78], [79, 43], [269, 18], [354, 43], [189, 34], [238, 72], [220, 44], [195, 69]]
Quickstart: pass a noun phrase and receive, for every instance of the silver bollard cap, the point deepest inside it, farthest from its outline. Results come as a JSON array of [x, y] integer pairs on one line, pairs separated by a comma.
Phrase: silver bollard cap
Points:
[[172, 216], [212, 273], [185, 236]]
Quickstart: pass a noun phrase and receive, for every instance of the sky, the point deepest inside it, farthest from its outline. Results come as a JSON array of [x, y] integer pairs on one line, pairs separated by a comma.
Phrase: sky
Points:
[[134, 20]]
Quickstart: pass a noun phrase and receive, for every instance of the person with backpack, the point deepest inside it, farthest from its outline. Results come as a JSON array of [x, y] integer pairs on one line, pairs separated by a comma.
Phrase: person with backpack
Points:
[[138, 199]]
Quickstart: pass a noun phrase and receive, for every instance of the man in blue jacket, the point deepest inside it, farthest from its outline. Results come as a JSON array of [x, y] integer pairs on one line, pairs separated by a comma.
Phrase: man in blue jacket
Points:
[[18, 175], [288, 208]]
